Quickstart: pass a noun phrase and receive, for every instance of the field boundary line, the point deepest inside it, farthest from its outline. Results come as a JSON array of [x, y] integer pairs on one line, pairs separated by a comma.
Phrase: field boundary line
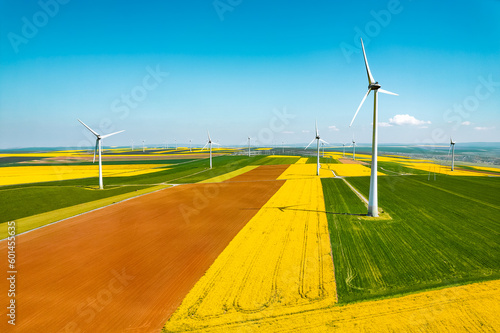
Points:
[[356, 192], [460, 195], [92, 210]]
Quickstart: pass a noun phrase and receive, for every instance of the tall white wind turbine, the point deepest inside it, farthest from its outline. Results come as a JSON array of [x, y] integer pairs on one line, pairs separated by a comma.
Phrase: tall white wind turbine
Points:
[[375, 86], [452, 147], [209, 143], [318, 140], [98, 148]]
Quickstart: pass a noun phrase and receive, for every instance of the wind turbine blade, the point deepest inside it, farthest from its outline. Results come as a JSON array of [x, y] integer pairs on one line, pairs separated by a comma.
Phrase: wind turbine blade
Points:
[[205, 146], [387, 92], [370, 77], [321, 140], [215, 143], [107, 135], [359, 107], [90, 129], [309, 144], [209, 136], [317, 128]]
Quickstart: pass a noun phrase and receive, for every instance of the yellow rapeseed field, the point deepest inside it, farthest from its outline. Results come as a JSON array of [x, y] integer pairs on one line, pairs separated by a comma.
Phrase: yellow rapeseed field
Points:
[[279, 265], [470, 308], [302, 160], [230, 175], [45, 173], [303, 171], [442, 169], [352, 170], [486, 168]]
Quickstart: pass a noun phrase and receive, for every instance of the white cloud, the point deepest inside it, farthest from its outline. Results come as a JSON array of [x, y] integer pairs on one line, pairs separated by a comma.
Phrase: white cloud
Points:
[[333, 128], [383, 124], [406, 119], [480, 128], [466, 123], [305, 131]]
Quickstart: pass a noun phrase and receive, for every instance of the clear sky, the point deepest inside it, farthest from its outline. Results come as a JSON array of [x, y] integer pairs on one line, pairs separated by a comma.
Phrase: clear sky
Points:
[[170, 70]]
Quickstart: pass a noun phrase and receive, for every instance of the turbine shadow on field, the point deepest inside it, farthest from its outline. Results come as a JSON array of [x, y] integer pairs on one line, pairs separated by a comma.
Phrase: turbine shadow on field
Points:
[[283, 208]]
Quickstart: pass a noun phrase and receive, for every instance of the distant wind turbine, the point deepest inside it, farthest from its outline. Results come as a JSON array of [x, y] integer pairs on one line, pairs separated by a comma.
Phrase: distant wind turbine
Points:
[[98, 148], [375, 86], [248, 146], [317, 146], [143, 148], [209, 143], [353, 149], [343, 149]]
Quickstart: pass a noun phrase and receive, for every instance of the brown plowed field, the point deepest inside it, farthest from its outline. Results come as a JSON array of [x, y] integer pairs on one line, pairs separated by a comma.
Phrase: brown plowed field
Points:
[[263, 172], [127, 267]]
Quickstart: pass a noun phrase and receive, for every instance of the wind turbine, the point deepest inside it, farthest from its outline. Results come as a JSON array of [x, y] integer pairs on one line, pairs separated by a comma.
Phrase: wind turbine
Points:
[[132, 145], [248, 146], [452, 147], [343, 149], [317, 146], [189, 145], [143, 148], [375, 86], [99, 147], [209, 142]]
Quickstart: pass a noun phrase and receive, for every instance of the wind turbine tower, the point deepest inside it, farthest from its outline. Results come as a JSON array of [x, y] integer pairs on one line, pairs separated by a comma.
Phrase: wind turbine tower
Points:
[[452, 147], [317, 137], [209, 143], [375, 87]]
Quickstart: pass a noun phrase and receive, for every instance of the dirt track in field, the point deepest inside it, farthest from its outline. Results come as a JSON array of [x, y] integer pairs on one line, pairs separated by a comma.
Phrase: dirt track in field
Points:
[[127, 267], [263, 172]]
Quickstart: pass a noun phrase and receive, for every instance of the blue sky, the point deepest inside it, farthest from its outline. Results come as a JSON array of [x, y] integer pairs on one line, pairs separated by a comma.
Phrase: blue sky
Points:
[[170, 70]]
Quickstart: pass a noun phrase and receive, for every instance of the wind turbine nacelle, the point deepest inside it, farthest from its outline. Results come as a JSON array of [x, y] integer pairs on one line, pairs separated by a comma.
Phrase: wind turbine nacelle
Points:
[[374, 86]]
